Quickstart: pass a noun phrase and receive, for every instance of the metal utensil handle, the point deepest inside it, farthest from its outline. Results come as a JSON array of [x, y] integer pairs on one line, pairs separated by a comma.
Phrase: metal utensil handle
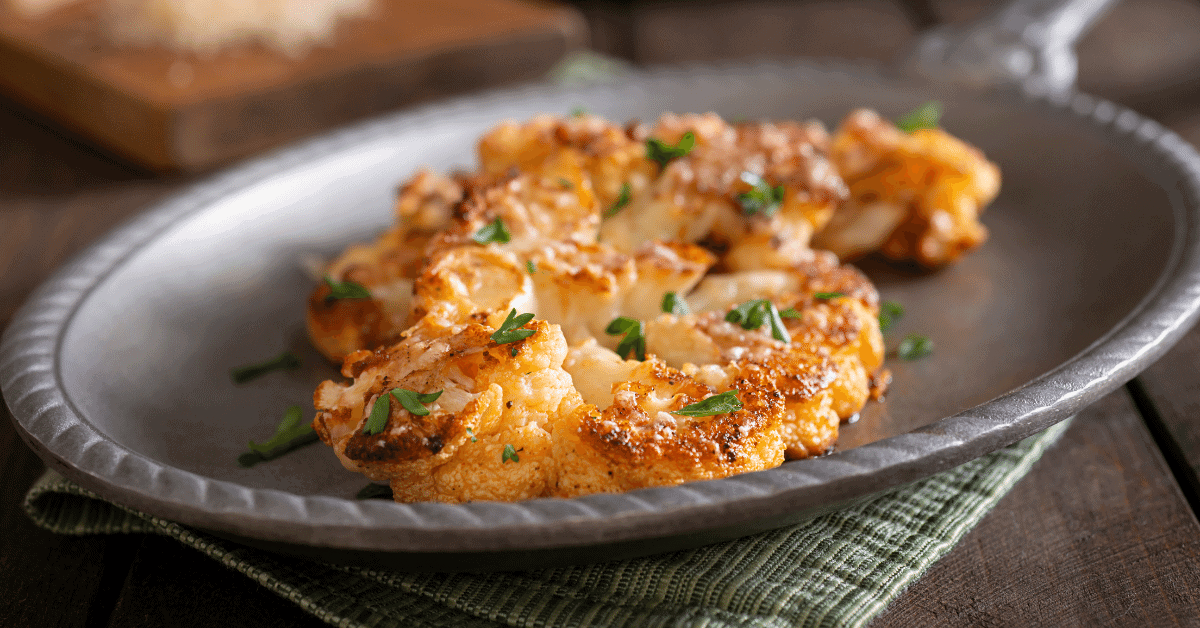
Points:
[[1027, 44]]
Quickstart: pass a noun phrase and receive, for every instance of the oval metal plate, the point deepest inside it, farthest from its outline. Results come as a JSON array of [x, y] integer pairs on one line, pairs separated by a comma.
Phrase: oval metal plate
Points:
[[116, 370]]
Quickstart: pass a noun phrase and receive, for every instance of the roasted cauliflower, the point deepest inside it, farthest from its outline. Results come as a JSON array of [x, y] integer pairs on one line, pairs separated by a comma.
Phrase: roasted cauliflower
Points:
[[603, 308], [913, 196]]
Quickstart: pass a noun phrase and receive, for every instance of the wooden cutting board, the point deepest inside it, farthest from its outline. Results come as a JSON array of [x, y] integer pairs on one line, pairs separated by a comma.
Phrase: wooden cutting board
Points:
[[184, 113]]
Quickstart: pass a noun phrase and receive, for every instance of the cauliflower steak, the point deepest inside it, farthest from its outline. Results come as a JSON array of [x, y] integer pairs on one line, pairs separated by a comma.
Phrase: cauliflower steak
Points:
[[603, 308]]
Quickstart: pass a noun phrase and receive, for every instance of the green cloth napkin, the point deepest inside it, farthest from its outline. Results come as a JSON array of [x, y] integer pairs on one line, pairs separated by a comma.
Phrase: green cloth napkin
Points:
[[840, 569]]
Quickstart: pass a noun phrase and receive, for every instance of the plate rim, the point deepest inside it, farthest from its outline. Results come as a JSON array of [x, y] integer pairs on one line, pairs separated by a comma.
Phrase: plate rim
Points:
[[42, 413]]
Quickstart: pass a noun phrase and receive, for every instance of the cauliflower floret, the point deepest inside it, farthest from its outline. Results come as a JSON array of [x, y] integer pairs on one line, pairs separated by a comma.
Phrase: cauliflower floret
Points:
[[638, 441], [497, 401], [913, 196], [579, 287], [823, 370], [386, 268], [696, 198], [611, 157], [555, 204]]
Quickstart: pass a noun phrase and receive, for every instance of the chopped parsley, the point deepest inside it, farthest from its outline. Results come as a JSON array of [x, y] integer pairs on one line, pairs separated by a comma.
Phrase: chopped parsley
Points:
[[510, 453], [663, 153], [825, 296], [471, 433], [620, 203], [791, 313], [412, 401], [565, 183], [578, 111], [634, 342], [510, 330], [379, 415], [927, 116], [762, 198], [530, 266], [889, 313], [374, 491], [291, 433], [347, 289], [914, 347], [242, 374], [712, 406], [674, 304], [494, 231], [752, 315]]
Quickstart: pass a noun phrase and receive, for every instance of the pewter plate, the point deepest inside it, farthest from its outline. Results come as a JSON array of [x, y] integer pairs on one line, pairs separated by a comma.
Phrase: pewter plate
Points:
[[116, 370]]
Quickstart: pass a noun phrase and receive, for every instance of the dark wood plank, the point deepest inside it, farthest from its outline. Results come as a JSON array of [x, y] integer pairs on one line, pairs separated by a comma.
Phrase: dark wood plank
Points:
[[174, 585], [48, 579], [1096, 535], [1171, 392]]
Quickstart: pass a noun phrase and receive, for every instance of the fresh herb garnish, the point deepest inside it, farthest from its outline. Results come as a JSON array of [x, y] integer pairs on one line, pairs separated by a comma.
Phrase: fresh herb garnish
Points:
[[471, 433], [291, 433], [379, 415], [494, 231], [889, 313], [565, 183], [243, 374], [620, 203], [914, 347], [414, 401], [578, 111], [510, 453], [634, 342], [762, 198], [927, 116], [825, 296], [530, 266], [791, 313], [411, 400], [374, 491], [752, 315], [714, 405], [674, 304], [345, 290], [663, 153], [510, 330]]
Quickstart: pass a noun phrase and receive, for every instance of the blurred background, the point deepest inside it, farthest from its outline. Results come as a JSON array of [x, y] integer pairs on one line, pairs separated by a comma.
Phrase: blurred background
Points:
[[1143, 53], [191, 85]]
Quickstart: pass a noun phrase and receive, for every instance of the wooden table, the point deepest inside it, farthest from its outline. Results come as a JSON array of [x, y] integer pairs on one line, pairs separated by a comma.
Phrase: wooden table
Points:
[[1103, 531]]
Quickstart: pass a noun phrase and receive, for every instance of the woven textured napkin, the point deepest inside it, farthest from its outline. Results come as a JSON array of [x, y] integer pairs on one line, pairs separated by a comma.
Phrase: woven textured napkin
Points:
[[840, 569]]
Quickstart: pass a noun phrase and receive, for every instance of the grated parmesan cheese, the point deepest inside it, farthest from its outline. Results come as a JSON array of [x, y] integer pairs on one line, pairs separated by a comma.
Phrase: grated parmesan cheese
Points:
[[205, 27]]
